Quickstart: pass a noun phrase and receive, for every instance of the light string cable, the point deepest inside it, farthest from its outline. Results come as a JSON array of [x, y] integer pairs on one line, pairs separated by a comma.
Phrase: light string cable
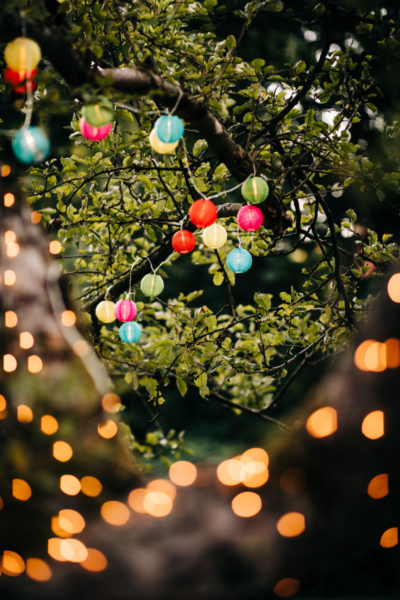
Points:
[[130, 291]]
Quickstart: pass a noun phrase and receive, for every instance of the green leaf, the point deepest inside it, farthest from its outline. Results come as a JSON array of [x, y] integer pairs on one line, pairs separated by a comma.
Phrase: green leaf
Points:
[[181, 385], [218, 278]]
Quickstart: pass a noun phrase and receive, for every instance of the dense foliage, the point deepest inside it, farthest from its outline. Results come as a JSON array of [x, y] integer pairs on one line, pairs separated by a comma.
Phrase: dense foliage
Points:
[[310, 108]]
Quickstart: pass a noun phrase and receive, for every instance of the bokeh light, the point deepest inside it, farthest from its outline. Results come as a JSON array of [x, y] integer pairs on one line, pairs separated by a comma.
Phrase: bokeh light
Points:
[[70, 485], [62, 451], [291, 524], [95, 561], [115, 513], [24, 413], [373, 425], [48, 424], [246, 504], [21, 490], [378, 487], [322, 422], [91, 486]]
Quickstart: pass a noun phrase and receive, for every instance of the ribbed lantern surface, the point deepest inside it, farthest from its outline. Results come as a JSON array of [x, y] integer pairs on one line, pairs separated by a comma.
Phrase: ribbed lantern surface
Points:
[[249, 218], [183, 241], [22, 54], [159, 146], [255, 190], [94, 134], [152, 285], [105, 311], [31, 145], [239, 260], [203, 213], [169, 129], [130, 332], [21, 80], [215, 236], [125, 310]]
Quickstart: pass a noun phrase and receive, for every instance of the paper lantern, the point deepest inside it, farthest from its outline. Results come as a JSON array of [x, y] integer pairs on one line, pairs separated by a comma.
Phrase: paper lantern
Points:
[[183, 241], [130, 332], [31, 145], [249, 218], [160, 146], [105, 311], [152, 285], [203, 213], [239, 260], [94, 133], [22, 54], [98, 114], [215, 236], [125, 310], [169, 129], [16, 78], [255, 190]]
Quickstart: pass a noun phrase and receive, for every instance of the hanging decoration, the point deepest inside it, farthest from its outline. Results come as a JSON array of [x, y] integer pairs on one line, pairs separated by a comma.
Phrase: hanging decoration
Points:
[[105, 311], [21, 81], [22, 55], [239, 260], [130, 332], [169, 129], [255, 190], [249, 218], [183, 241], [152, 285], [215, 236], [125, 310], [31, 145], [159, 146], [98, 114], [92, 133], [203, 213]]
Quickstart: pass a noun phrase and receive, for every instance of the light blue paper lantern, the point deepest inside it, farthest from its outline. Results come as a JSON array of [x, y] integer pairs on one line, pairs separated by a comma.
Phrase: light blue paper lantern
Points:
[[169, 129], [130, 332], [31, 145], [239, 260]]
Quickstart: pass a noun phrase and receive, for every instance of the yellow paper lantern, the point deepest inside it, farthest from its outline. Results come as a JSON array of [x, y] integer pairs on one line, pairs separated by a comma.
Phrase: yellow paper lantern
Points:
[[105, 311], [215, 236], [22, 54], [159, 146]]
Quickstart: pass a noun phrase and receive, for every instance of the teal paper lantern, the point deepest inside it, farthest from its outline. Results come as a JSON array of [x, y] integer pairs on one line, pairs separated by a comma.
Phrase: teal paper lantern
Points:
[[239, 260], [255, 190], [169, 129], [130, 332], [31, 145], [152, 285]]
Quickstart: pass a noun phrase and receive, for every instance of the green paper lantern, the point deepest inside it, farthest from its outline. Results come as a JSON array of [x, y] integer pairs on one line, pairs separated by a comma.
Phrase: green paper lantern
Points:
[[99, 113], [152, 285], [255, 190]]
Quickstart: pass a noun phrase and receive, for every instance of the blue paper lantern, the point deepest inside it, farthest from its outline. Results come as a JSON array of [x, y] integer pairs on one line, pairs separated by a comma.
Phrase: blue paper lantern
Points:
[[130, 332], [239, 260], [169, 129], [31, 145]]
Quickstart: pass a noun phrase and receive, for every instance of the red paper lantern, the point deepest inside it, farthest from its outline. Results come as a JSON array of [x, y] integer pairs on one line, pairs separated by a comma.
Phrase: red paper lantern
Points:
[[183, 241], [15, 78], [249, 218], [203, 213]]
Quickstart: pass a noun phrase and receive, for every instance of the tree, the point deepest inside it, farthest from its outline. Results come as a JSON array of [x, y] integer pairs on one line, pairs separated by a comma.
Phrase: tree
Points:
[[300, 123]]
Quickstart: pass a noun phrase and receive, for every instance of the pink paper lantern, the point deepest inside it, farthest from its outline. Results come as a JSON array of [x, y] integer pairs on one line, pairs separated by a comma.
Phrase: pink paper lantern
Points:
[[94, 134], [250, 218], [125, 310]]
